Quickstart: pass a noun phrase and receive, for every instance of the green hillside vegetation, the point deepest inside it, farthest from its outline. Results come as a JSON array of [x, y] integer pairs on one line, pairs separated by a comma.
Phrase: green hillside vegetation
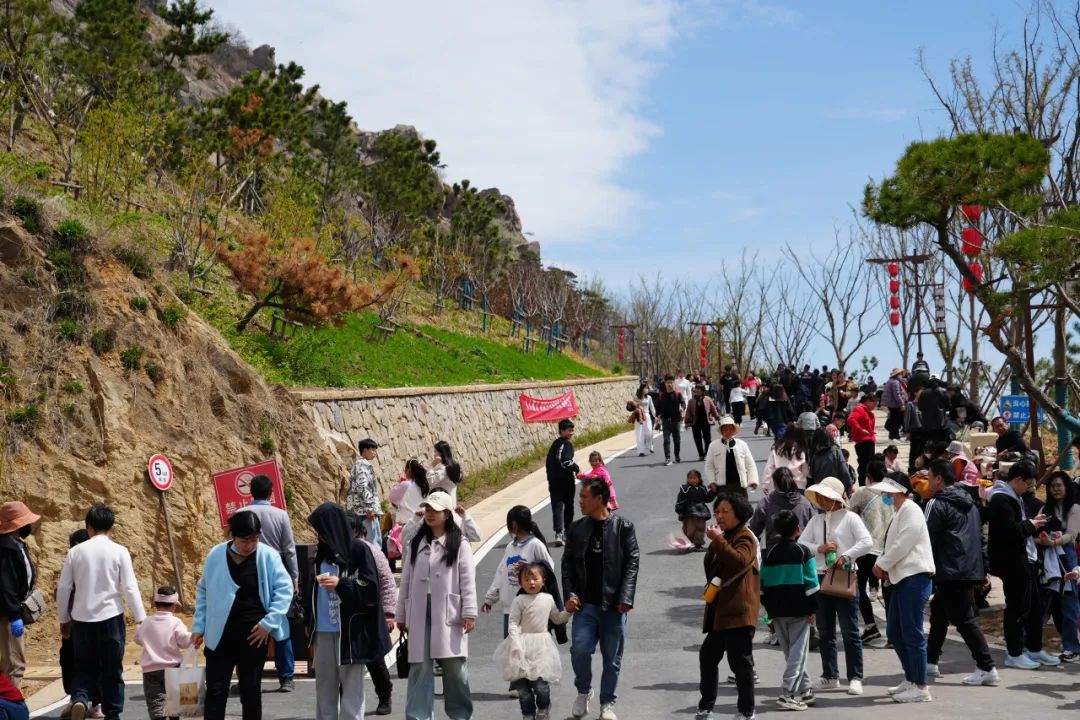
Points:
[[263, 208]]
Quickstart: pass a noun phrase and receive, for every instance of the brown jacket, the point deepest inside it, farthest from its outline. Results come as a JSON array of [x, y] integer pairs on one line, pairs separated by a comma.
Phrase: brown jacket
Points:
[[691, 407], [737, 604]]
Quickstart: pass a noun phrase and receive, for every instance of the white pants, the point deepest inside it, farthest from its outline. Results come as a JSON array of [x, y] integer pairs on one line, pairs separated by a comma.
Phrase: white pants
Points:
[[644, 434], [334, 682]]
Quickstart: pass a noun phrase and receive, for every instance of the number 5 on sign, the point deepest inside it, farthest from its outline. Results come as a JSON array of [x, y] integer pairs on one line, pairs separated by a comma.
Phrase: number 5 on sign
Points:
[[160, 471]]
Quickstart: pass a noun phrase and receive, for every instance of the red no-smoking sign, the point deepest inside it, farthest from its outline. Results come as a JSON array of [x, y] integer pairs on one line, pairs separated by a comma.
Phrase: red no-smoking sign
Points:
[[232, 488]]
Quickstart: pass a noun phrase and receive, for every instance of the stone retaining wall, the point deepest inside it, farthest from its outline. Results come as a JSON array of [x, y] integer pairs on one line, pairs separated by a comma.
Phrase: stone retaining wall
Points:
[[481, 422]]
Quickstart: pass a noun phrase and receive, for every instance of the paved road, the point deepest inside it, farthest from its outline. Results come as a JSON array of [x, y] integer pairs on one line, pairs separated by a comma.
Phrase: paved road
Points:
[[659, 678]]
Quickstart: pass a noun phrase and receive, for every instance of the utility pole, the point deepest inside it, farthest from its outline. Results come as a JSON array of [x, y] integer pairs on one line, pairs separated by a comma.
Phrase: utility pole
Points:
[[1061, 387], [717, 327], [915, 262]]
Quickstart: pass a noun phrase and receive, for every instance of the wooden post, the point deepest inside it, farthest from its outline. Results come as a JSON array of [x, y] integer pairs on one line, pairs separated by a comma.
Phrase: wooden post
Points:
[[172, 546]]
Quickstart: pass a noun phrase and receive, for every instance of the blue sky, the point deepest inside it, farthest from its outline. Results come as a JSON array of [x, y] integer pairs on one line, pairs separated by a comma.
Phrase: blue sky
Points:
[[637, 135]]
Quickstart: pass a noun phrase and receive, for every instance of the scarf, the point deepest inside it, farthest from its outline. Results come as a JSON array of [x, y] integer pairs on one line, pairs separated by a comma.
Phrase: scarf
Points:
[[731, 472]]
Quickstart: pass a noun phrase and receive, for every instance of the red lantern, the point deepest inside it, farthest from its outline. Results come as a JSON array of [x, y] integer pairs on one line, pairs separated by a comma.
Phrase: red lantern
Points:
[[894, 318], [704, 341], [704, 329], [894, 269], [894, 286], [971, 212], [704, 363], [977, 271], [894, 302], [704, 353], [973, 241]]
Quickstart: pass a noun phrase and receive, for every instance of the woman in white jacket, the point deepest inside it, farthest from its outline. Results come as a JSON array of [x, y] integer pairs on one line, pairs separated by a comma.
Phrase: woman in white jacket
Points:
[[730, 454], [837, 535], [907, 564]]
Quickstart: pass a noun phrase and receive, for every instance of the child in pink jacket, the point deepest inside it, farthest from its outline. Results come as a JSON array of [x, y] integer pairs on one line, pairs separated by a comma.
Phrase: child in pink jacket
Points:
[[599, 470], [163, 636]]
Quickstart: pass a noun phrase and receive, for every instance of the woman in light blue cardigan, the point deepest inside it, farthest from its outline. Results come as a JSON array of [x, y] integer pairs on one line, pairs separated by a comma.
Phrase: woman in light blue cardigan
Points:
[[240, 602]]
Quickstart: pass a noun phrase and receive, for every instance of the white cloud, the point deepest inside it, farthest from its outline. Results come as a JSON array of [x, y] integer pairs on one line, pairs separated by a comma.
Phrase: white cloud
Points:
[[746, 213], [541, 98]]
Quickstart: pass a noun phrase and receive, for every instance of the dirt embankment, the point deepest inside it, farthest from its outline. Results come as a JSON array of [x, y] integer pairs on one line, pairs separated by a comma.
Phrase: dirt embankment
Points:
[[95, 422]]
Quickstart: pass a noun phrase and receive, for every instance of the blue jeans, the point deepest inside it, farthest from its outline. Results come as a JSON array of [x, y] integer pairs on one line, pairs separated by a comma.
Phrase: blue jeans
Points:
[[99, 663], [284, 661], [907, 602], [13, 710], [779, 430], [608, 628], [831, 609], [1070, 605], [420, 697], [374, 533]]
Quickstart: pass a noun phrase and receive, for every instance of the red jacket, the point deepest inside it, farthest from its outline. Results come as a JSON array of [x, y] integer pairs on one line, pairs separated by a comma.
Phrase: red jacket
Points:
[[8, 691], [861, 424]]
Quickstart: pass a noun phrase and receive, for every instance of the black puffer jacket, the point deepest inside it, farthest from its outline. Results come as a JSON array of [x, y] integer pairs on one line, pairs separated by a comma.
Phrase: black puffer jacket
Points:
[[364, 637], [955, 535], [693, 501], [621, 559]]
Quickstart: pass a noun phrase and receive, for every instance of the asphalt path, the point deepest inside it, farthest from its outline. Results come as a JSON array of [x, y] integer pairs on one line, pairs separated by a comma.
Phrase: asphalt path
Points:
[[660, 672]]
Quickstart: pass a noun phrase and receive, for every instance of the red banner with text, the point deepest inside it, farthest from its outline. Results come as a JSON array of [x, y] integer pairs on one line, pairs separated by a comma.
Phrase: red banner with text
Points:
[[548, 409]]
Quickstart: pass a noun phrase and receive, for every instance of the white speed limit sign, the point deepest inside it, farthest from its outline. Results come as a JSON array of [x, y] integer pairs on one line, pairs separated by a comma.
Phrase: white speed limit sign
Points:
[[161, 474]]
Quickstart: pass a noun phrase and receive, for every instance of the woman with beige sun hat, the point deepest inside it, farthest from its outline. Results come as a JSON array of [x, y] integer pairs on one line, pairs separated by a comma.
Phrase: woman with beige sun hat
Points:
[[837, 537]]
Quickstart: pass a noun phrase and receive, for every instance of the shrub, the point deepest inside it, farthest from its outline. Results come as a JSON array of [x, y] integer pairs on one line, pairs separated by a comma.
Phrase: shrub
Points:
[[153, 372], [24, 416], [136, 260], [30, 278], [102, 340], [616, 369], [68, 330], [71, 305], [73, 387], [8, 382], [71, 234], [28, 210], [159, 288], [41, 170], [140, 303], [266, 439], [69, 409], [69, 272], [131, 356], [172, 315]]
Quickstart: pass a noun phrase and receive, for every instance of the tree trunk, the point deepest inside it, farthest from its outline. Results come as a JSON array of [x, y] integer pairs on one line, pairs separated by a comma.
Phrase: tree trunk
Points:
[[250, 315]]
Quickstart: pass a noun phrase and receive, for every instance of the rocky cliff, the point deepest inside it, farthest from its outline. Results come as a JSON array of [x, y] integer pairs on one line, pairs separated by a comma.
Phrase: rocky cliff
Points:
[[94, 421]]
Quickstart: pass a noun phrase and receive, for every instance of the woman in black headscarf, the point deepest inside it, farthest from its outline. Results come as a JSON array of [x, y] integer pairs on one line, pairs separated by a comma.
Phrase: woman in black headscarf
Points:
[[345, 615]]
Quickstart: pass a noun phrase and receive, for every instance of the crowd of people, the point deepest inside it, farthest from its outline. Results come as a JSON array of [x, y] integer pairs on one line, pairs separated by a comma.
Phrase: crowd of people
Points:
[[825, 543]]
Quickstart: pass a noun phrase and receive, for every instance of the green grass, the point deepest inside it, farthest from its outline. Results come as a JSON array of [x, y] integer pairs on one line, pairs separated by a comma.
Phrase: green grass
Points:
[[354, 354], [348, 356]]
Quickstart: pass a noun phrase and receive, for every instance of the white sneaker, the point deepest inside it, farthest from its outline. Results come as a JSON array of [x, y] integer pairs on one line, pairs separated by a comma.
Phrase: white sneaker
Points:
[[581, 705], [1043, 658], [854, 686], [897, 689], [983, 677], [607, 712], [913, 695], [704, 715], [824, 684], [932, 670], [1021, 662]]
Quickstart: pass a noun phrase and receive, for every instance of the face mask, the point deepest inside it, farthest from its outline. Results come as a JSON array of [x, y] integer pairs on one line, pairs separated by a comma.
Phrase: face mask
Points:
[[25, 530], [886, 499]]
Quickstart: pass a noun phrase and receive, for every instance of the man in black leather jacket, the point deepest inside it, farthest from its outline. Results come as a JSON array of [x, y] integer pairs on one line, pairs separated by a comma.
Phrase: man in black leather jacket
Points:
[[955, 528], [599, 575]]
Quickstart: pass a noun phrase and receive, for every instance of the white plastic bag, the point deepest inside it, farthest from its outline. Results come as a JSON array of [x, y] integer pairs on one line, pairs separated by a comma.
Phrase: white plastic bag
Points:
[[185, 687]]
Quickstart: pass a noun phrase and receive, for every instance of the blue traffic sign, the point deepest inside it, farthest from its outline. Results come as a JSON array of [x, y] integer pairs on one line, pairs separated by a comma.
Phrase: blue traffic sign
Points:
[[1016, 410]]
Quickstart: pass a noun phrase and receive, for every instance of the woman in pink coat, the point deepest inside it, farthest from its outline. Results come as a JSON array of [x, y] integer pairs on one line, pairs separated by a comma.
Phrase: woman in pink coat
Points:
[[437, 607]]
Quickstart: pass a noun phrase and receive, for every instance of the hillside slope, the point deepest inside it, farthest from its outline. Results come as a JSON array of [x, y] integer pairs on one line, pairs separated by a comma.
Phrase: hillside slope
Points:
[[80, 425]]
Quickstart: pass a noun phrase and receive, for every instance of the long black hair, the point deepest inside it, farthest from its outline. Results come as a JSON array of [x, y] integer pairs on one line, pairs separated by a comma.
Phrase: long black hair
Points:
[[453, 539], [1066, 502], [793, 443], [522, 517], [819, 441], [453, 470], [418, 474]]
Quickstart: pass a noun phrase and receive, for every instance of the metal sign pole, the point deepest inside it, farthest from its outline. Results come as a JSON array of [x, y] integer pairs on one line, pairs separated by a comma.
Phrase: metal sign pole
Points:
[[172, 546]]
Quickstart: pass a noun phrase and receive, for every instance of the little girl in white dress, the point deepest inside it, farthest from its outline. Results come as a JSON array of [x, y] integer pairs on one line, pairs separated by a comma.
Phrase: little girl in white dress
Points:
[[528, 656]]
